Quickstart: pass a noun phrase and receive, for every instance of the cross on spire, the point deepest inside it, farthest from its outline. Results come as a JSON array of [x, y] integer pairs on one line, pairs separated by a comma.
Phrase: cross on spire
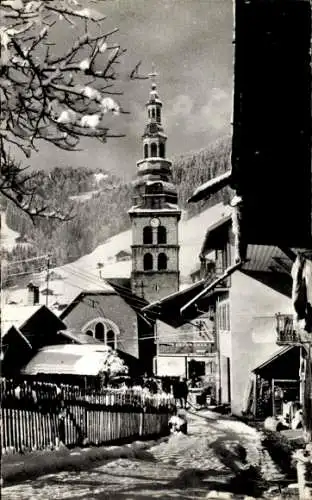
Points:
[[152, 76]]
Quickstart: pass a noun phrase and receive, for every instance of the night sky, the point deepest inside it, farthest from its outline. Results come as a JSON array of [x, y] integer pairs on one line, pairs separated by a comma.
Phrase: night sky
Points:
[[190, 43]]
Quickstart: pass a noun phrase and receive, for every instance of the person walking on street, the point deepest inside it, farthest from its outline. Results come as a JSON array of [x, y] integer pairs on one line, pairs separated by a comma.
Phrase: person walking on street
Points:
[[176, 391], [183, 390]]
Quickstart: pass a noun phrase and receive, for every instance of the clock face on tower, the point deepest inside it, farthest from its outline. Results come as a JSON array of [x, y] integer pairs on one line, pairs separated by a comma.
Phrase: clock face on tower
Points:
[[154, 222]]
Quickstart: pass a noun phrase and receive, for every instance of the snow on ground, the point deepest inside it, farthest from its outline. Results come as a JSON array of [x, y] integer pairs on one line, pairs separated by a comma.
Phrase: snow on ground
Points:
[[83, 274], [8, 236], [184, 468], [84, 196]]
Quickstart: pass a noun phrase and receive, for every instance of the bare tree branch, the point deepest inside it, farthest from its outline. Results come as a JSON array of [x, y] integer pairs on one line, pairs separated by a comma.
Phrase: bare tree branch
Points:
[[54, 98]]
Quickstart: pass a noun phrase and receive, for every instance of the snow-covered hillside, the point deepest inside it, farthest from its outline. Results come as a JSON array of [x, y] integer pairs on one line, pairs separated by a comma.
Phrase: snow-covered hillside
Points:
[[84, 273], [81, 198], [8, 236]]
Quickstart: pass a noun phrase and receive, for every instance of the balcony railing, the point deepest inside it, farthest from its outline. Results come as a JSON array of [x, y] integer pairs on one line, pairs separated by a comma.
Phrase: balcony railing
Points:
[[212, 271], [286, 332]]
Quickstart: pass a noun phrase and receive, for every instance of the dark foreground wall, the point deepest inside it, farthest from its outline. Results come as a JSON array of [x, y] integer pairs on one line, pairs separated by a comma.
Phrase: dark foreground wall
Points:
[[271, 156]]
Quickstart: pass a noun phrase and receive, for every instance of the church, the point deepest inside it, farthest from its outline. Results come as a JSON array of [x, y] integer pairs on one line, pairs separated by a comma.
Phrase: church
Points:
[[164, 348], [109, 310]]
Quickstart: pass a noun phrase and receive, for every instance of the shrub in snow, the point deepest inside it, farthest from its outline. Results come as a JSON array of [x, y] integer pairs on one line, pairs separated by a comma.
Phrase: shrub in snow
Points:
[[113, 365]]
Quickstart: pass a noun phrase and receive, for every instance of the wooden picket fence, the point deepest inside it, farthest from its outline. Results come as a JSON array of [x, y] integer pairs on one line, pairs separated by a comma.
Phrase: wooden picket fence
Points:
[[40, 416]]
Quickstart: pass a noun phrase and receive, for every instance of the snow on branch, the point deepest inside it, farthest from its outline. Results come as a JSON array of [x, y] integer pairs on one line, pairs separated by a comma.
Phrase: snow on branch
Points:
[[50, 93]]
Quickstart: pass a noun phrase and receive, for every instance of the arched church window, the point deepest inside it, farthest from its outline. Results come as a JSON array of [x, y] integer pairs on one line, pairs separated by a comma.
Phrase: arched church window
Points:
[[153, 113], [158, 114], [148, 262], [90, 333], [161, 235], [153, 149], [162, 262], [162, 150], [110, 339], [99, 332], [147, 235], [145, 150]]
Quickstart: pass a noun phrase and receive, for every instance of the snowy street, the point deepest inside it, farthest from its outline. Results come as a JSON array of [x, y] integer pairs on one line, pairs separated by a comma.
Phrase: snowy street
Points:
[[185, 467]]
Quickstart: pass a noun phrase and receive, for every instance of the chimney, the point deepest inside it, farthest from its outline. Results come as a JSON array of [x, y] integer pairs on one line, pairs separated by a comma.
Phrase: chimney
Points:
[[33, 294]]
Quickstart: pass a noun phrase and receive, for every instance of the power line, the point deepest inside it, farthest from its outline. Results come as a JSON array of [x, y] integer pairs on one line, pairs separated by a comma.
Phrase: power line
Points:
[[25, 273], [126, 291], [28, 260]]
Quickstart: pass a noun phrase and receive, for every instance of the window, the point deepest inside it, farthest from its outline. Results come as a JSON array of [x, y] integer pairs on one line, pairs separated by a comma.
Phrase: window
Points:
[[148, 262], [110, 339], [161, 235], [162, 150], [153, 113], [224, 316], [196, 368], [162, 261], [99, 332], [158, 115], [147, 235], [153, 149], [210, 369], [102, 329], [145, 150]]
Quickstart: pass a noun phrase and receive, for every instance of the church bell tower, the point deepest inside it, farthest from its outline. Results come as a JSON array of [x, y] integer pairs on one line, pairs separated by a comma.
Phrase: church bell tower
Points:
[[155, 215]]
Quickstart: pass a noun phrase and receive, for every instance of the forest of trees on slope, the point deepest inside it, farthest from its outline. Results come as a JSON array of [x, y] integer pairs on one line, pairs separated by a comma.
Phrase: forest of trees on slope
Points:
[[105, 213]]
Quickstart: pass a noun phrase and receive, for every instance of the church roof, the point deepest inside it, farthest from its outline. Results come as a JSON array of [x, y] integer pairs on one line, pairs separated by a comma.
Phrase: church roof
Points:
[[119, 287], [135, 302], [79, 298]]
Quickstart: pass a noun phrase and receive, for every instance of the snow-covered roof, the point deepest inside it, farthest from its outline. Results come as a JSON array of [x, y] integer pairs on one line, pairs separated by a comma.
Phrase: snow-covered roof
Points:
[[70, 359], [205, 190], [169, 208], [16, 315]]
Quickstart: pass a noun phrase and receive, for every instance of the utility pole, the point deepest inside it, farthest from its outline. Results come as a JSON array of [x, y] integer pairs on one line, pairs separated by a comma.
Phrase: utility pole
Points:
[[48, 279]]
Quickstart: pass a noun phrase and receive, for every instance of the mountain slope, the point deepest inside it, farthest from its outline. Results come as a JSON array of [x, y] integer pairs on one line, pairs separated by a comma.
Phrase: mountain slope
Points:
[[83, 274], [100, 202]]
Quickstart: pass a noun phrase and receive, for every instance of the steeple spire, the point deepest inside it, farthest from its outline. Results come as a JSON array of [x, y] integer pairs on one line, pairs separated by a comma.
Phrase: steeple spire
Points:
[[155, 214], [153, 76], [154, 186]]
